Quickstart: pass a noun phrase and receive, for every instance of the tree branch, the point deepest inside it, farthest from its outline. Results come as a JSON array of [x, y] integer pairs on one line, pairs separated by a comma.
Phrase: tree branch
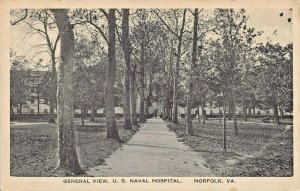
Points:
[[49, 15], [104, 13], [183, 24], [101, 31], [118, 35], [39, 52], [97, 27], [21, 19], [118, 11], [136, 58], [202, 34], [38, 45], [36, 29], [168, 27], [191, 12], [55, 43]]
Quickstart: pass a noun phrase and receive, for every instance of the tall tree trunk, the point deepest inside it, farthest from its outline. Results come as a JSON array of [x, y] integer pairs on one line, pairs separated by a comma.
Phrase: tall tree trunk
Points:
[[234, 119], [11, 111], [276, 116], [127, 68], [20, 109], [233, 110], [133, 97], [249, 112], [229, 110], [38, 104], [167, 112], [189, 124], [93, 114], [66, 134], [203, 111], [169, 96], [53, 86], [220, 117], [224, 126], [176, 76], [203, 115], [112, 130], [244, 111], [281, 112], [147, 105], [142, 90], [199, 117], [82, 114]]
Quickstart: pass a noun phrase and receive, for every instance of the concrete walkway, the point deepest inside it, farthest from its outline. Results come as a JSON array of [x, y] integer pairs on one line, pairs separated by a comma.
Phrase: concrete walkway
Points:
[[153, 151]]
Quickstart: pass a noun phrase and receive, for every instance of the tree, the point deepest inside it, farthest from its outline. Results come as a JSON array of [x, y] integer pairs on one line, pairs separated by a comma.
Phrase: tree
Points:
[[274, 84], [142, 83], [41, 89], [92, 18], [178, 33], [19, 86], [66, 133], [82, 96], [112, 130], [88, 76], [165, 88], [40, 86], [42, 23], [189, 124], [127, 69], [232, 24], [201, 87], [139, 44], [133, 96]]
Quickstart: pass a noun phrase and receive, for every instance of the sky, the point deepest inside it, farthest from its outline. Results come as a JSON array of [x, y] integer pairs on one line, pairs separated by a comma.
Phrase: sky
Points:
[[267, 20]]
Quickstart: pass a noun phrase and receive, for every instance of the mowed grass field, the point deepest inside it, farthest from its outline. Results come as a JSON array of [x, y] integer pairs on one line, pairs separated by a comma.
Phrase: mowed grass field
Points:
[[33, 147], [258, 150]]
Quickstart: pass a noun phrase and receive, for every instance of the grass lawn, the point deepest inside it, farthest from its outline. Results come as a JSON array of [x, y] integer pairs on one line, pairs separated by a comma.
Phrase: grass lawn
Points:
[[33, 150], [258, 150]]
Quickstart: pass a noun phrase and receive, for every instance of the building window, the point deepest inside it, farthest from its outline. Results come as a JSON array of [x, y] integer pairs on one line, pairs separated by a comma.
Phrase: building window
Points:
[[46, 111], [18, 111], [258, 112], [32, 111], [45, 100], [32, 99]]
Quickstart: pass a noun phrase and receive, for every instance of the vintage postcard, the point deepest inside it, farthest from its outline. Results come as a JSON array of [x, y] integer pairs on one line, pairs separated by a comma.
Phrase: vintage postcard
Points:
[[149, 95]]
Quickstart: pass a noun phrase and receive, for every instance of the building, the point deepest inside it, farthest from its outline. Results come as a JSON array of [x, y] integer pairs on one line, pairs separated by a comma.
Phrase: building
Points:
[[37, 102], [35, 84]]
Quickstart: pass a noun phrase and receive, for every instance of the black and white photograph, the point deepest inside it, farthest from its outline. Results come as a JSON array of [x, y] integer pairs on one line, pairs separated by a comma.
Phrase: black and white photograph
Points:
[[165, 93]]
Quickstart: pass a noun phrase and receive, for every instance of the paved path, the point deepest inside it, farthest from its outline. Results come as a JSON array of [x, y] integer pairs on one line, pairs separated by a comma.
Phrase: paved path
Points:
[[153, 151]]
